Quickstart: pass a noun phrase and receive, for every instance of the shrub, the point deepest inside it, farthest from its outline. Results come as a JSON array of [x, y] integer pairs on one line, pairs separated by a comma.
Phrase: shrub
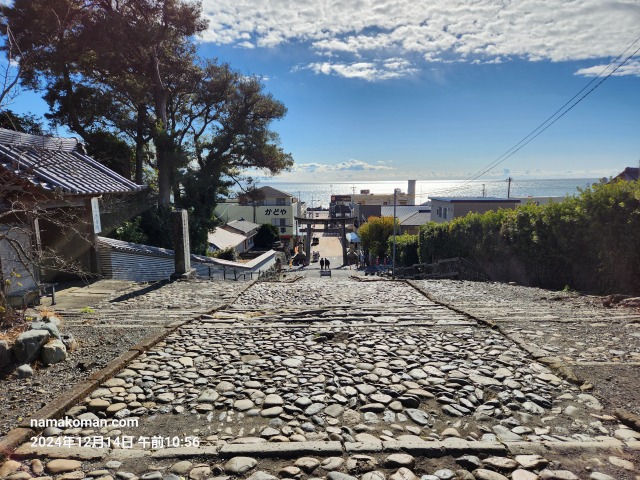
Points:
[[224, 254], [266, 235], [406, 250], [588, 241]]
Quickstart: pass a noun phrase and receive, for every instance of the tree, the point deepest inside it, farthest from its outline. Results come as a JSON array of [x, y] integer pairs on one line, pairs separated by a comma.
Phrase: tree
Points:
[[28, 123], [109, 64], [265, 237], [122, 74], [232, 135], [375, 234]]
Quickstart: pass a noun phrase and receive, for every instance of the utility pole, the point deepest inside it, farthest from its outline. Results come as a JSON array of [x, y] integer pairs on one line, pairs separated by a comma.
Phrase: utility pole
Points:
[[393, 260], [483, 191], [509, 187]]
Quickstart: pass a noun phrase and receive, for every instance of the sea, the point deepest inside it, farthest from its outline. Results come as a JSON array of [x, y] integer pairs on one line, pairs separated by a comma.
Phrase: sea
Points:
[[319, 194]]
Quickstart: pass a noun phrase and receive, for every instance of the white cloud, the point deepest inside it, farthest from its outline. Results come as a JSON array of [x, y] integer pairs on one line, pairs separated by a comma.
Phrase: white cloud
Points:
[[632, 67], [245, 44], [349, 165], [356, 35], [370, 71]]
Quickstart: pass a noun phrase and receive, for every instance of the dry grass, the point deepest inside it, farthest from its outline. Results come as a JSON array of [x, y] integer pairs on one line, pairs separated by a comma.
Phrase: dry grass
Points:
[[13, 332]]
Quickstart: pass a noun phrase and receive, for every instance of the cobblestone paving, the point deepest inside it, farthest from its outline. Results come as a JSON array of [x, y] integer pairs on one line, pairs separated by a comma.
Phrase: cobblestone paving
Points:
[[342, 380], [601, 344], [109, 329]]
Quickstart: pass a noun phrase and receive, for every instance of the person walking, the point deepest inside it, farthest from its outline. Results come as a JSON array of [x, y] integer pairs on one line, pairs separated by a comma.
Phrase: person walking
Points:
[[322, 264], [327, 264]]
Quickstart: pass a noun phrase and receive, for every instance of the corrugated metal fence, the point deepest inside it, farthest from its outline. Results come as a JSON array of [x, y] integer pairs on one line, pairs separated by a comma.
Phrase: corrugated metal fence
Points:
[[142, 263]]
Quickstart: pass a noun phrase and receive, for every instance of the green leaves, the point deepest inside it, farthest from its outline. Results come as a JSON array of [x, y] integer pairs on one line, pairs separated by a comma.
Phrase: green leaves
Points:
[[589, 242], [374, 235]]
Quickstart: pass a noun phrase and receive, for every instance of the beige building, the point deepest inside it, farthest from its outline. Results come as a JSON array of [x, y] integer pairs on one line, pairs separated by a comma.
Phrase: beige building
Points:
[[277, 208], [365, 197], [444, 209]]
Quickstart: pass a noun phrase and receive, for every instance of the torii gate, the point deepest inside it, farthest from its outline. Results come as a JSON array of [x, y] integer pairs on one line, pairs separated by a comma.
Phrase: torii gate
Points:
[[309, 222]]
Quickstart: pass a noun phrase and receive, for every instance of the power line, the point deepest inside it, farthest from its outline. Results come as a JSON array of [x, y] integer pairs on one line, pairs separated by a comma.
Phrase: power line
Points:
[[551, 120]]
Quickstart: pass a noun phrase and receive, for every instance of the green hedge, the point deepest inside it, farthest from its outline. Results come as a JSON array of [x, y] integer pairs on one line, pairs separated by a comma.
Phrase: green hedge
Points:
[[589, 242], [406, 250]]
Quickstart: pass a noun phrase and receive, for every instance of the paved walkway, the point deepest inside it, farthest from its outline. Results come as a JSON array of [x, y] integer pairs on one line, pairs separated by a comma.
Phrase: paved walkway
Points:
[[339, 378]]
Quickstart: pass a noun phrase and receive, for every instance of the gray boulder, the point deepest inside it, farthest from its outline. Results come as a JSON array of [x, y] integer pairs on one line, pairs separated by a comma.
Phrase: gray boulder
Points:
[[53, 352], [52, 319], [69, 341], [51, 327], [28, 345], [6, 355], [24, 371]]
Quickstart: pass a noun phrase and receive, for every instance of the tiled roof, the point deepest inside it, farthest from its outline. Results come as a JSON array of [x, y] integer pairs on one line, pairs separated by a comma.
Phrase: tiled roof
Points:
[[629, 174], [130, 247], [221, 238], [402, 210], [58, 164], [417, 218], [243, 226]]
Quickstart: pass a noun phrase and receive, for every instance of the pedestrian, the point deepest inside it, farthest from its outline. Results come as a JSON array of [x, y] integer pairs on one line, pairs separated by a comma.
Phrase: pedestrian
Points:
[[327, 264], [322, 264]]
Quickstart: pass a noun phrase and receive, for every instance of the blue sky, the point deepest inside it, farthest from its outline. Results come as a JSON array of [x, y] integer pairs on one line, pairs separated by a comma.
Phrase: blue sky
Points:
[[396, 89]]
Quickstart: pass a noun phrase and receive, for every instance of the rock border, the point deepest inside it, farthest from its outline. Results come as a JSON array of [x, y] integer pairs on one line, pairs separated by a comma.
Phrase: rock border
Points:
[[10, 443]]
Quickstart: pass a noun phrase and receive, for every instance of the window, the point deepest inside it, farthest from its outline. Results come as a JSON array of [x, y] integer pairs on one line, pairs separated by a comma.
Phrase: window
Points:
[[279, 222], [281, 201], [444, 213]]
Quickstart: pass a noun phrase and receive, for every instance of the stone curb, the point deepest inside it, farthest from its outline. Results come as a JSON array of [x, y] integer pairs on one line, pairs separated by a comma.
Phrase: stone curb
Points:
[[149, 341], [281, 450], [629, 419], [10, 443], [567, 447], [122, 454], [185, 452], [12, 440], [58, 405], [72, 453], [363, 447], [449, 446], [481, 321], [114, 366], [229, 326]]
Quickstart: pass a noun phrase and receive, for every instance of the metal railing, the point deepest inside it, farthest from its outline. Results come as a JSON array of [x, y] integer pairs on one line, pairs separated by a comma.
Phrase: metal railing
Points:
[[231, 274]]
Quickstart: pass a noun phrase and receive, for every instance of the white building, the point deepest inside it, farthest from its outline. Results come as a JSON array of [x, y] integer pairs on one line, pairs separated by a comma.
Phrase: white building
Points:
[[276, 207], [444, 209]]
